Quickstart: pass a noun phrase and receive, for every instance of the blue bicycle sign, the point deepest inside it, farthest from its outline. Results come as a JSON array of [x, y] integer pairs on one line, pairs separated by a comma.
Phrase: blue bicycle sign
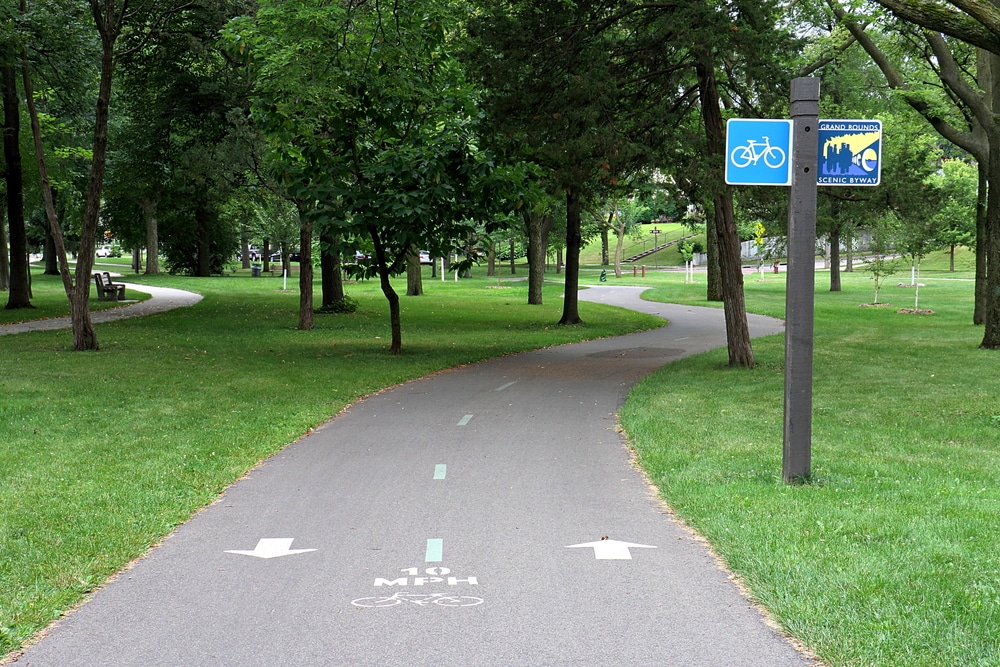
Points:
[[757, 151], [744, 156]]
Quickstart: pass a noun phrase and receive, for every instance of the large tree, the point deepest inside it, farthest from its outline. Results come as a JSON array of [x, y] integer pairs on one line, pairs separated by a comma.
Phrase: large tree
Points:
[[108, 17], [553, 86], [978, 131], [723, 56], [182, 144], [371, 127], [955, 216]]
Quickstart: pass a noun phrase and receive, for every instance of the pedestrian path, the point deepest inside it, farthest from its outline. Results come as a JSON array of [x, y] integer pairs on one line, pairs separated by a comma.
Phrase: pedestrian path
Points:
[[161, 300], [490, 515]]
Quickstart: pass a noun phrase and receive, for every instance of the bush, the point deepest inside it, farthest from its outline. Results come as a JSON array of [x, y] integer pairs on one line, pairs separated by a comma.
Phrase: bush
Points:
[[345, 306]]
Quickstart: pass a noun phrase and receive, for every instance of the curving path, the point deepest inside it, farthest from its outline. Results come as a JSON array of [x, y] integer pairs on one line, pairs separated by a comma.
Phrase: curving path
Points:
[[161, 299], [489, 515]]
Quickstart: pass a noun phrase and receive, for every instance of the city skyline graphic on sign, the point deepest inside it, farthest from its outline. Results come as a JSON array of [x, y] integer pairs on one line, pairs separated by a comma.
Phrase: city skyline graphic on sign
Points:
[[850, 152]]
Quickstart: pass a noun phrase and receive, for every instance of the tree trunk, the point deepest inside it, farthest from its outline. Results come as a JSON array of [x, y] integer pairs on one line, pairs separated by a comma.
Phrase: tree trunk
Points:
[[734, 305], [78, 290], [305, 272], [20, 289], [4, 252], [396, 346], [394, 319], [286, 263], [152, 237], [329, 266], [849, 243], [605, 249], [571, 296], [244, 246], [991, 301], [469, 252], [491, 260], [84, 337], [50, 256], [835, 256], [414, 274], [991, 313], [979, 311], [713, 269], [203, 221], [619, 248], [538, 243], [513, 264], [731, 271]]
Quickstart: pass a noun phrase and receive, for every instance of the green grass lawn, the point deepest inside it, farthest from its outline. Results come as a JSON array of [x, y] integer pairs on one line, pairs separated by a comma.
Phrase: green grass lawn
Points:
[[641, 241], [103, 453], [890, 557]]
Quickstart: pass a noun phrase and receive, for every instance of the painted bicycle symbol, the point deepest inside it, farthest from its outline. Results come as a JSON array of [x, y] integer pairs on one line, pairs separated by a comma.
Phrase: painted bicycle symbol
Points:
[[419, 599], [754, 151]]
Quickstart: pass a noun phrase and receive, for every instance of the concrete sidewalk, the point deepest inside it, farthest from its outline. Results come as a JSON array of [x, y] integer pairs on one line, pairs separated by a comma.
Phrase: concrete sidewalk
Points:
[[490, 515]]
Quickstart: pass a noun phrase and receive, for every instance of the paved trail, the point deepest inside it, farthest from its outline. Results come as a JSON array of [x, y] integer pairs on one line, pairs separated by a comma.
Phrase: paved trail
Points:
[[457, 520], [163, 299]]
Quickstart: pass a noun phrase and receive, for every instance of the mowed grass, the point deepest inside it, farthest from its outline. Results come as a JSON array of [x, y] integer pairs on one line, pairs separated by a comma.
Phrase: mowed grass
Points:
[[891, 555], [643, 239], [103, 453]]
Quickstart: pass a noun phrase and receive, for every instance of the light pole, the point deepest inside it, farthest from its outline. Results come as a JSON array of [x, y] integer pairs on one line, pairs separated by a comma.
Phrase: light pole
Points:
[[656, 235]]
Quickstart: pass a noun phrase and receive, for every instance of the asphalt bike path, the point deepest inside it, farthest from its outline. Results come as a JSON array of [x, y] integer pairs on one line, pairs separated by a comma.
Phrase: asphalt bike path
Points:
[[486, 515]]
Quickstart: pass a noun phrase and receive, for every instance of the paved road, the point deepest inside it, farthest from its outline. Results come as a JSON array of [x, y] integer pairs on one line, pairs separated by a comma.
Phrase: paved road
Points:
[[441, 522]]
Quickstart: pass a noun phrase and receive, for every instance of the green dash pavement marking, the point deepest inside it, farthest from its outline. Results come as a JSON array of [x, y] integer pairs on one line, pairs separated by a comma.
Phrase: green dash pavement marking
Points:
[[440, 470], [435, 550], [465, 420]]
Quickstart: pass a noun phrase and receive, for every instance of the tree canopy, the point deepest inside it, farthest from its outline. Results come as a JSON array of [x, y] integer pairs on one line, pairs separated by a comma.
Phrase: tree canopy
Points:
[[390, 128], [370, 126]]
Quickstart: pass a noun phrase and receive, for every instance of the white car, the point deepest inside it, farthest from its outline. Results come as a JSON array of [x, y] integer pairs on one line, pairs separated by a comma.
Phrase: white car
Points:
[[103, 251]]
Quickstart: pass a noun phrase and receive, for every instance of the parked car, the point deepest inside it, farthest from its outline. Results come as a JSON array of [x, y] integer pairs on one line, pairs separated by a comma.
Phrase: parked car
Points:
[[104, 251], [425, 257]]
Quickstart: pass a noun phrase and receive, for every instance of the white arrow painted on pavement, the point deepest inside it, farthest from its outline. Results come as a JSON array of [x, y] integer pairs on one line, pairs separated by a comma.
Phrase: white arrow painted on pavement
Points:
[[271, 547], [611, 549]]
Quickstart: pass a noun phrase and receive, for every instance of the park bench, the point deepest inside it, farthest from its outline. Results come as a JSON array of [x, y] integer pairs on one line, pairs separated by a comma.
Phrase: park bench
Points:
[[107, 290]]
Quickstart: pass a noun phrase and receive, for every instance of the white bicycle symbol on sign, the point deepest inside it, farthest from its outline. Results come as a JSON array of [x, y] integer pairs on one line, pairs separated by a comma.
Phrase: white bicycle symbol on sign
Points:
[[753, 151], [419, 599]]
